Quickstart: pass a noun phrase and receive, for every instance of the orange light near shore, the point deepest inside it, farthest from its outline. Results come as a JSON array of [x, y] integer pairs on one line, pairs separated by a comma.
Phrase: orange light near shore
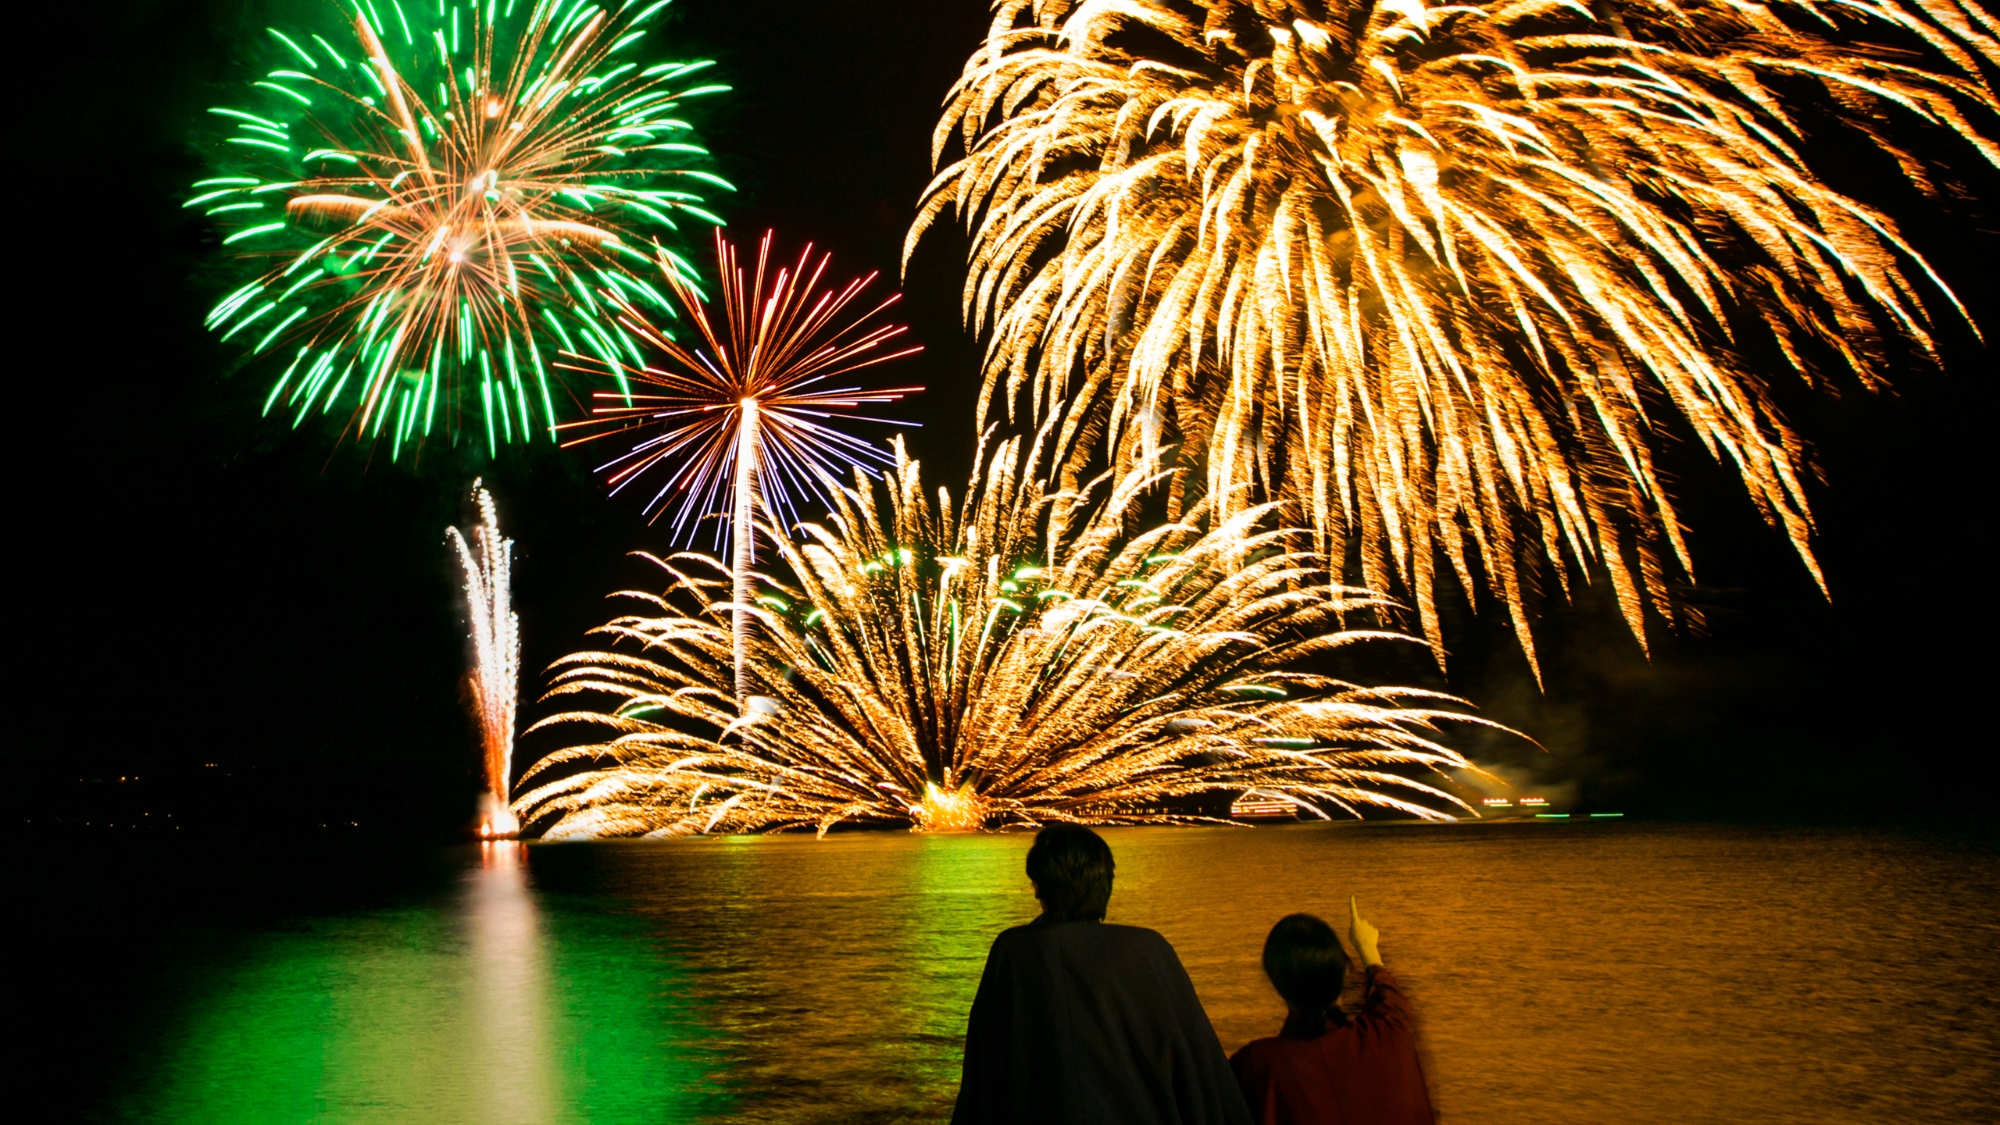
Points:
[[496, 820]]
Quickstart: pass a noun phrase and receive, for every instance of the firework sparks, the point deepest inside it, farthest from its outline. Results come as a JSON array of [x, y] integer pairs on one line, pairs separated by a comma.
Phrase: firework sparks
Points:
[[487, 563], [430, 200], [1434, 274], [756, 383], [1019, 660], [741, 422]]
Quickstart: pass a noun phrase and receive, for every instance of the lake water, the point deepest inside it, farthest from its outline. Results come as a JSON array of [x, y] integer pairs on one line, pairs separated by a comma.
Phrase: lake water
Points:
[[1579, 972]]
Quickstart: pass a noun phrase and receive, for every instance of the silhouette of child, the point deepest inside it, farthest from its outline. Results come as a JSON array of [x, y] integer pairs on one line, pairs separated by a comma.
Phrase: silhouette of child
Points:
[[1324, 1068]]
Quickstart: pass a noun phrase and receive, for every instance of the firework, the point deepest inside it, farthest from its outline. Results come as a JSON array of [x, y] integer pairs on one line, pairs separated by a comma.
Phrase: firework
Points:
[[487, 563], [1436, 274], [740, 422], [1018, 660], [432, 200]]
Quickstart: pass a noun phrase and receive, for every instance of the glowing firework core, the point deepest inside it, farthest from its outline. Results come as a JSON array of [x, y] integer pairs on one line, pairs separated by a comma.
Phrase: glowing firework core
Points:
[[940, 811]]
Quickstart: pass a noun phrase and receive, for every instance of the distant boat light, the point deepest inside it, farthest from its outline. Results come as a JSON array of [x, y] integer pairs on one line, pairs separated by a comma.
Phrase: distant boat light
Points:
[[1258, 806]]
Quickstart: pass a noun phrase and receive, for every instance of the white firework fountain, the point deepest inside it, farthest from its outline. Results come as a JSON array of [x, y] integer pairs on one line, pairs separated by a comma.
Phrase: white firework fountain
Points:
[[496, 664]]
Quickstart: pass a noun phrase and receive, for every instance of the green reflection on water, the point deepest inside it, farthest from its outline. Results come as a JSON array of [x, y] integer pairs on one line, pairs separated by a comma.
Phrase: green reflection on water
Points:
[[836, 973], [491, 1010], [949, 890], [964, 882]]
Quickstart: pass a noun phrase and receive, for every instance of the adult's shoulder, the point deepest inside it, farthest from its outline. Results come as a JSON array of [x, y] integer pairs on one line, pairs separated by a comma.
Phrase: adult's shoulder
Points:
[[1016, 933], [1011, 938], [1136, 939], [1131, 935], [1088, 939]]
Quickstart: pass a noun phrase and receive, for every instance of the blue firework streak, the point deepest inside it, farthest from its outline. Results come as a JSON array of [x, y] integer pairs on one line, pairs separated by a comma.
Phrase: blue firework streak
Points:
[[764, 377]]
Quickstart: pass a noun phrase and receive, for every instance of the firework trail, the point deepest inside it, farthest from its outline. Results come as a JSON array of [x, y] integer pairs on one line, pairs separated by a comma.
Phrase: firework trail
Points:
[[487, 563], [429, 200], [742, 421], [1018, 660], [1436, 275]]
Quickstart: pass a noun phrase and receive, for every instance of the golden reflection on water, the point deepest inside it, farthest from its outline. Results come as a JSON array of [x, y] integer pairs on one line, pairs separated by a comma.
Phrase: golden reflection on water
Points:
[[511, 1069], [1581, 973], [1563, 974]]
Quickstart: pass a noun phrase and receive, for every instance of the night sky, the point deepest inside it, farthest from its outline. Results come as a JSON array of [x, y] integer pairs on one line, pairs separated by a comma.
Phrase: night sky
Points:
[[264, 636]]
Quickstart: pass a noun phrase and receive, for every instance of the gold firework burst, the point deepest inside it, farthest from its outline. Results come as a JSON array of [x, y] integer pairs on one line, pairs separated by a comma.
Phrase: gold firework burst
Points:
[[1019, 660], [1437, 275]]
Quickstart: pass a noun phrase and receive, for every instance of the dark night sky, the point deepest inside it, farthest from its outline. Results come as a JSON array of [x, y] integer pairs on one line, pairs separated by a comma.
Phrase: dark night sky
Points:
[[194, 588]]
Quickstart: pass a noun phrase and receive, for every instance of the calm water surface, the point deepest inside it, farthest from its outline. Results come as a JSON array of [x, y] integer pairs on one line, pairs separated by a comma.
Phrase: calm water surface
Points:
[[1564, 973]]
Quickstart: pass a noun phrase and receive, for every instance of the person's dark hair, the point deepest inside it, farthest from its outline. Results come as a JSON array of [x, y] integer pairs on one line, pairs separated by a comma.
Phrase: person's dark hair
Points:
[[1308, 967], [1071, 868]]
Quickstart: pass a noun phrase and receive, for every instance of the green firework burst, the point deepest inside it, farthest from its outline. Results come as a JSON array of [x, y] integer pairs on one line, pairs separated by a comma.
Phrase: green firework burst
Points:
[[432, 198]]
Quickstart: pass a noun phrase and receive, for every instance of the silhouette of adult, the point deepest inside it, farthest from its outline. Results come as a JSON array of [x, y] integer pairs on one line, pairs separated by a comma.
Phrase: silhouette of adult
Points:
[[1079, 1021]]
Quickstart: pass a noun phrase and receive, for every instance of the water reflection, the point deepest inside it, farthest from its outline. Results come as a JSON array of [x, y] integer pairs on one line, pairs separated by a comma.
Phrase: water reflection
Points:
[[831, 975], [511, 1069], [1582, 974], [481, 1008], [1569, 975]]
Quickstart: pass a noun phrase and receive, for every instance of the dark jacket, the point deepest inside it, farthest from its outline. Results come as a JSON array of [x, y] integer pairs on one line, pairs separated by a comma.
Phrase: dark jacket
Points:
[[1091, 1024]]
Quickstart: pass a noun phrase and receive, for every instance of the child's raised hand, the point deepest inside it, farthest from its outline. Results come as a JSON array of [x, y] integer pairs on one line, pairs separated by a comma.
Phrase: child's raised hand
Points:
[[1363, 934]]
